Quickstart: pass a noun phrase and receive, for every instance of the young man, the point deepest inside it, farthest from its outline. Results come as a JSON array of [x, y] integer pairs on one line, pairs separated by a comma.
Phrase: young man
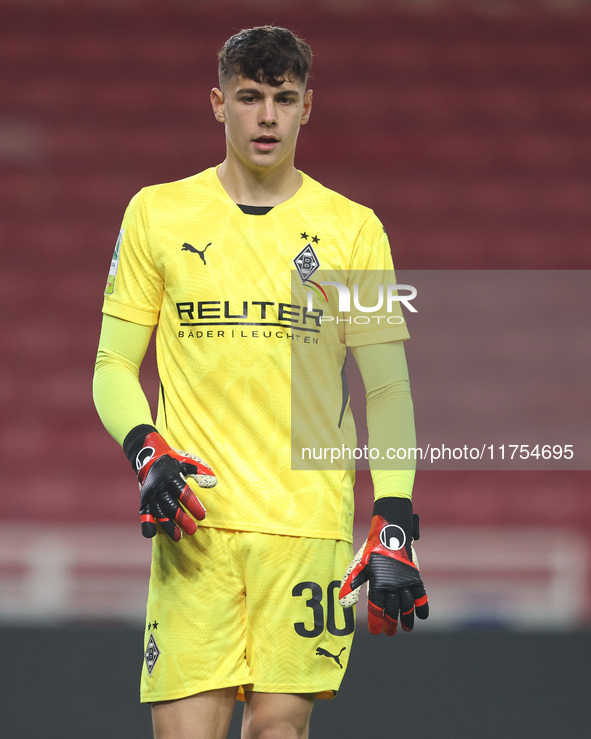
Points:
[[248, 605]]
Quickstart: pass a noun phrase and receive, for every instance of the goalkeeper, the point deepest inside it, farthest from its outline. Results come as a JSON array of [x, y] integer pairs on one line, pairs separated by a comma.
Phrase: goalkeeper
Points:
[[247, 605]]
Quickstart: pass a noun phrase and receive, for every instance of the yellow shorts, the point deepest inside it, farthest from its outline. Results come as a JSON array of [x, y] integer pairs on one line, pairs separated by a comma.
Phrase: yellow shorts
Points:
[[258, 611]]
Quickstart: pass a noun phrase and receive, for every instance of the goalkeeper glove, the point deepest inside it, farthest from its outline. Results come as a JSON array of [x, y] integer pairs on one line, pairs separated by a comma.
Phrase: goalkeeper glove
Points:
[[387, 561], [162, 473]]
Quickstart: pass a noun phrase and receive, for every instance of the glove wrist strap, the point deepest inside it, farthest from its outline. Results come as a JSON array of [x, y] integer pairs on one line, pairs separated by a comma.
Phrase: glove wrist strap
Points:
[[398, 511], [395, 510], [134, 441]]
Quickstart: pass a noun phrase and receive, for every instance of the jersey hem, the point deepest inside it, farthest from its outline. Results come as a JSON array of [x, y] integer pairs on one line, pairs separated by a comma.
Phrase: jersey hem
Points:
[[298, 533]]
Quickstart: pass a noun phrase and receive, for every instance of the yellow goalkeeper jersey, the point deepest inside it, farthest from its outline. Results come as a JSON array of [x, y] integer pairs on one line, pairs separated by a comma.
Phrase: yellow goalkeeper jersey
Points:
[[248, 330]]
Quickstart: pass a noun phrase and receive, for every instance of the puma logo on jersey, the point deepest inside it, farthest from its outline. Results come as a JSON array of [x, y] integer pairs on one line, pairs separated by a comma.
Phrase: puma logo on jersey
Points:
[[323, 653], [191, 248]]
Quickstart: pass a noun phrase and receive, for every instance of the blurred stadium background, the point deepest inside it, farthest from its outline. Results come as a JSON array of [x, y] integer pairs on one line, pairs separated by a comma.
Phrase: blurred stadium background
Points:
[[465, 125]]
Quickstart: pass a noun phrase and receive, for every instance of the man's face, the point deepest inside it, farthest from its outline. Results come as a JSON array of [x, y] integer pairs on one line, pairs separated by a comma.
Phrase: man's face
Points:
[[262, 122]]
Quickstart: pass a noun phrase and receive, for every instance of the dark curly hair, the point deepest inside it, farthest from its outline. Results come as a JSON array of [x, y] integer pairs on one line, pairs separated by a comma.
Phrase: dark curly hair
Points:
[[265, 54]]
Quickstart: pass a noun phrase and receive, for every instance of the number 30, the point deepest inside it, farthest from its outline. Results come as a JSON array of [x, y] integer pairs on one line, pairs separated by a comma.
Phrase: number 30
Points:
[[315, 603]]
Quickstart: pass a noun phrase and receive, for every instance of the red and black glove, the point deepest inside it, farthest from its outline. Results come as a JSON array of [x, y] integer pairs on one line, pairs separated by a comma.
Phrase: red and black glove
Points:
[[388, 563], [162, 473]]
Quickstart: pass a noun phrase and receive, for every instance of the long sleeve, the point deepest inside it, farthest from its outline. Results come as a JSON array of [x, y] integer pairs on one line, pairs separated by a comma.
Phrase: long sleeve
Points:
[[390, 415], [118, 395]]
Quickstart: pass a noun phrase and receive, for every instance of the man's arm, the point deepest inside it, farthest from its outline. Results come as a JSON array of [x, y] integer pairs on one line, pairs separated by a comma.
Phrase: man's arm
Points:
[[390, 415], [118, 395], [125, 412], [387, 560]]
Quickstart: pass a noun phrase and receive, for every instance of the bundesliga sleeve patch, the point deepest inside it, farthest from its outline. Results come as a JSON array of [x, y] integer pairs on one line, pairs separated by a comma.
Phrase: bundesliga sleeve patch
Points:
[[114, 266]]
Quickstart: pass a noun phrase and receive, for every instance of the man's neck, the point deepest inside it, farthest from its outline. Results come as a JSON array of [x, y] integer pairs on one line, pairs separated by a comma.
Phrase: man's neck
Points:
[[263, 187]]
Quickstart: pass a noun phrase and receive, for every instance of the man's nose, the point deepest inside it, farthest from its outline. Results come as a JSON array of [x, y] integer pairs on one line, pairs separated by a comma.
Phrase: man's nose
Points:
[[268, 115]]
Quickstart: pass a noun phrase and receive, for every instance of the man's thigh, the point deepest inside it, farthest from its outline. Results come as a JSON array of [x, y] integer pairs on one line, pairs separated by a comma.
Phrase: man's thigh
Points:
[[207, 715], [285, 716], [203, 716]]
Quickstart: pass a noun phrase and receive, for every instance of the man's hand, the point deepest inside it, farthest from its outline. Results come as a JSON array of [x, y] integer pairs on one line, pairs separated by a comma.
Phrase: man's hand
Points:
[[388, 563], [162, 473]]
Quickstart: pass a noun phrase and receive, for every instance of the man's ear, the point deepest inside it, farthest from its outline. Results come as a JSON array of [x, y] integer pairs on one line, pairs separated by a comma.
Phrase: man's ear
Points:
[[217, 103], [307, 107]]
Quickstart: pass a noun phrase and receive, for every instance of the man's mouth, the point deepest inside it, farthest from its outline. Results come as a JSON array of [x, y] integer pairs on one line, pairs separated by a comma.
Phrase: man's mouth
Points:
[[265, 143]]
